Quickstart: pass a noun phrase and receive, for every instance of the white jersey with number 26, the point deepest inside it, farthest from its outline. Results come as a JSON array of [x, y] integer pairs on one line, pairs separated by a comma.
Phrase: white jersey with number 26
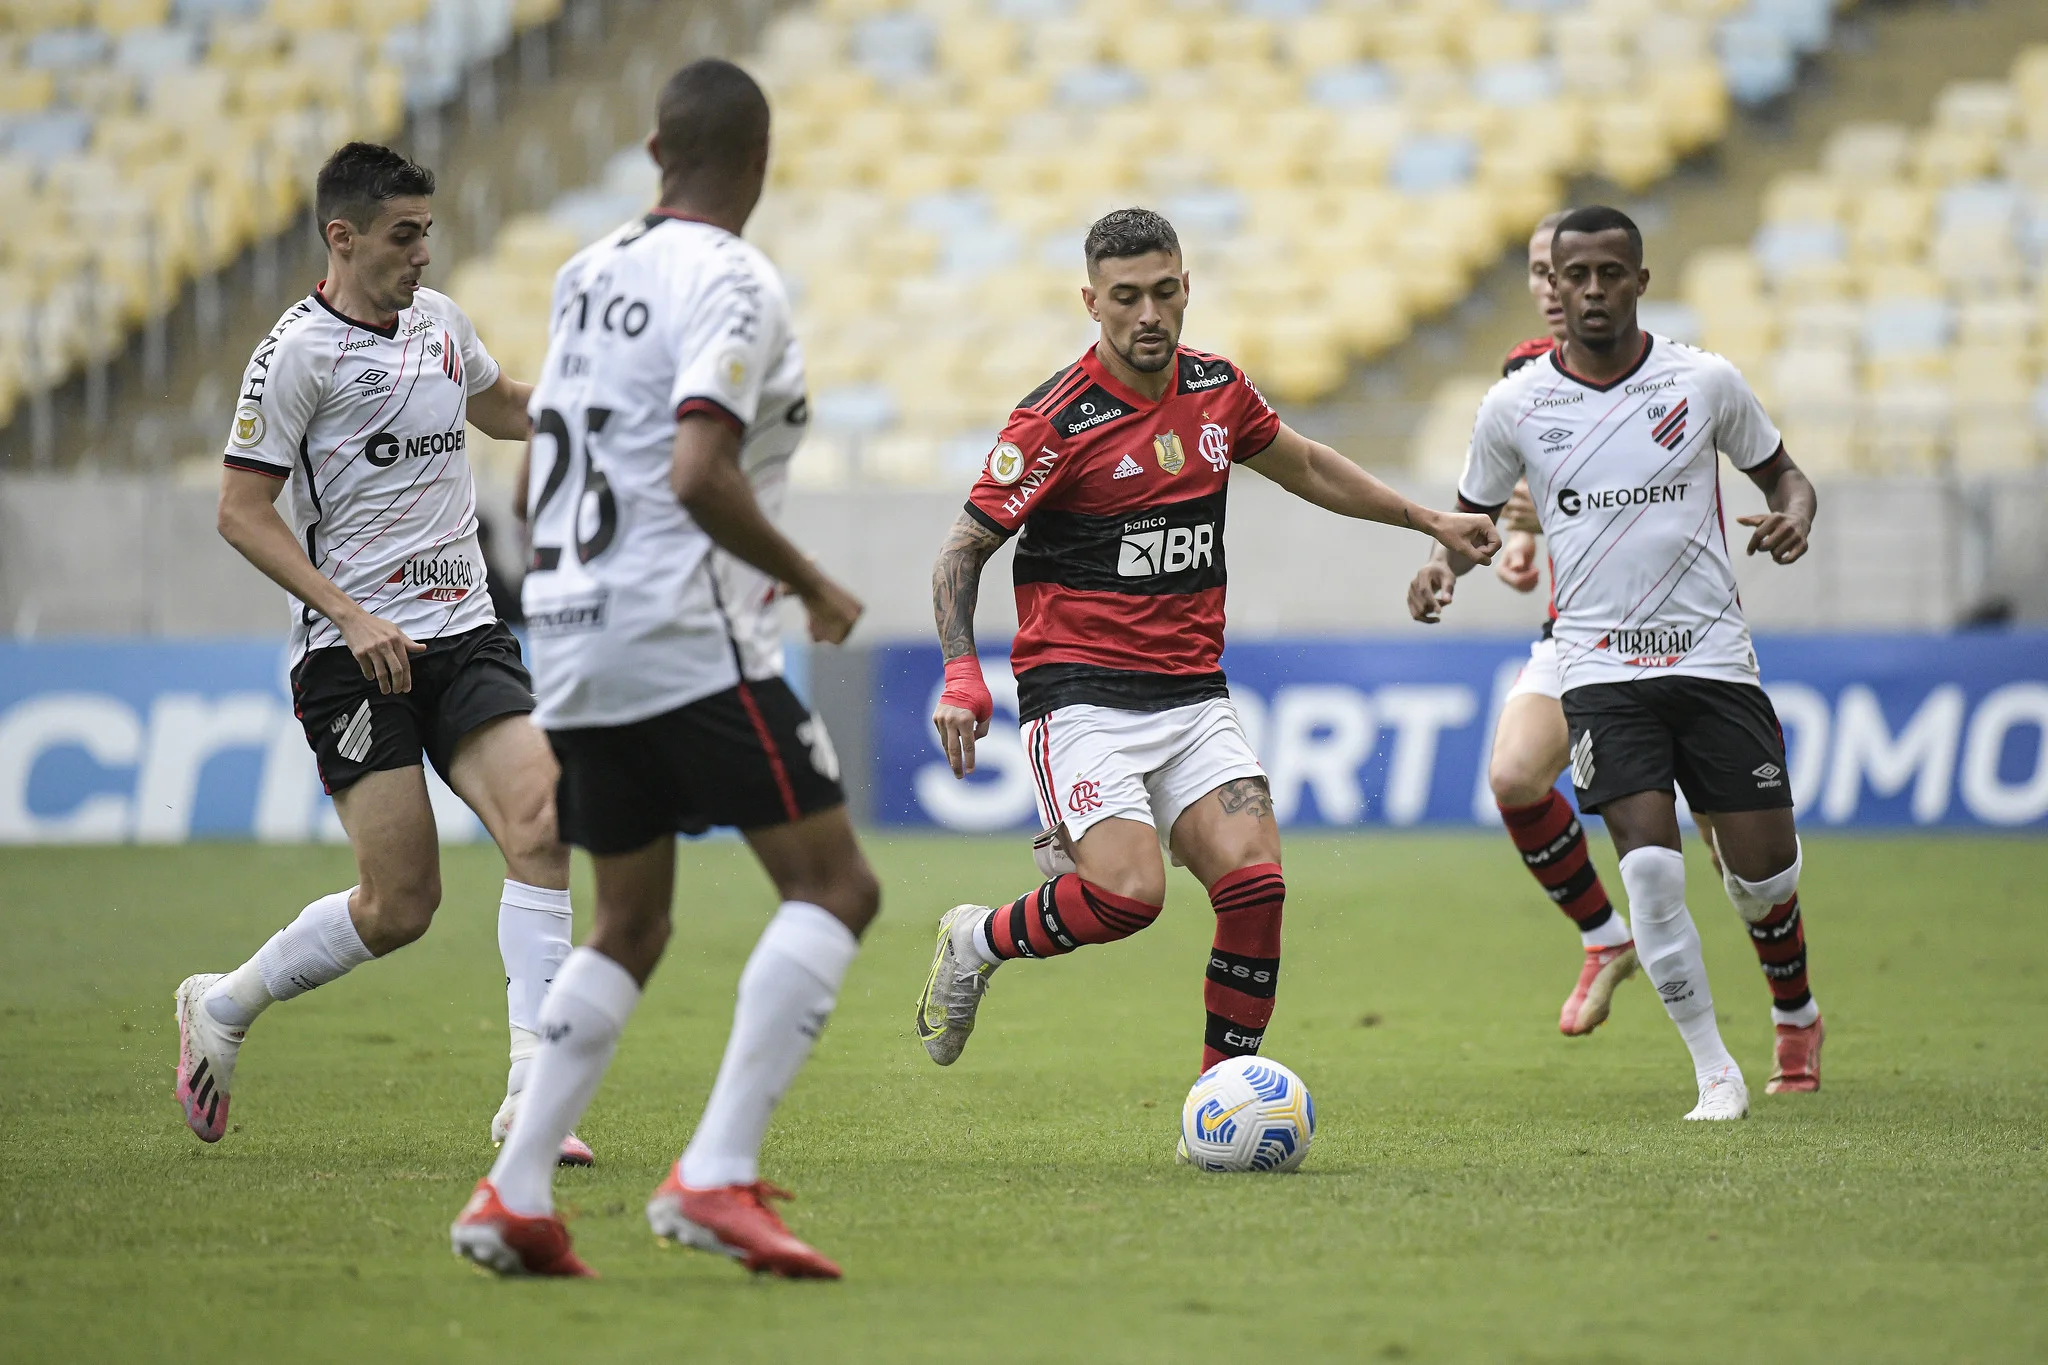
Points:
[[1627, 485], [631, 610]]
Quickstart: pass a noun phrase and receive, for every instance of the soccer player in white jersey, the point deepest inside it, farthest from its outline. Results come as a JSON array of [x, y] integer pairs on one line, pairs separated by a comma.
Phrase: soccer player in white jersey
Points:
[[670, 403], [355, 403], [1617, 433]]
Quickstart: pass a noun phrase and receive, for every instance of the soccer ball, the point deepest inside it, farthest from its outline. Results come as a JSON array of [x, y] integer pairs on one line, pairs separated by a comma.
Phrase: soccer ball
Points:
[[1247, 1114]]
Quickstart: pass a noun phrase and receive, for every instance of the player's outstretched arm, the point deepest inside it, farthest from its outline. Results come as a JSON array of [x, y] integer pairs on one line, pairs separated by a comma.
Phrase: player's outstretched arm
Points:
[[500, 411], [965, 706], [248, 520], [706, 478], [1315, 473], [1782, 532]]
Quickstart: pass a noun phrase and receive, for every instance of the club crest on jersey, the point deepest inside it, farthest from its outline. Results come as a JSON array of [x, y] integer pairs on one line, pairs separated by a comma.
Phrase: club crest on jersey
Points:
[[1173, 456], [1086, 796], [248, 425], [1667, 428], [1005, 463], [1215, 446]]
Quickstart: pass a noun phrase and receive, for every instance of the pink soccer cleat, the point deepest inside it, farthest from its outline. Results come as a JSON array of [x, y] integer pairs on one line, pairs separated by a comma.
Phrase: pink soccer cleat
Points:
[[513, 1243], [1585, 1009], [735, 1221], [1797, 1063], [206, 1059]]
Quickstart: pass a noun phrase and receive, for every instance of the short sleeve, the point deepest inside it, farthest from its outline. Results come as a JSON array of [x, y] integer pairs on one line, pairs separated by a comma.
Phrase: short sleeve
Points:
[[1743, 431], [1257, 424], [726, 349], [1025, 464], [479, 369], [279, 393], [1493, 462]]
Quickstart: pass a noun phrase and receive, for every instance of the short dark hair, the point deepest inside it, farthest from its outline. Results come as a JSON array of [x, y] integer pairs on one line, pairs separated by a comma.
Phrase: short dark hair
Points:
[[1600, 218], [357, 180], [1129, 232], [710, 116]]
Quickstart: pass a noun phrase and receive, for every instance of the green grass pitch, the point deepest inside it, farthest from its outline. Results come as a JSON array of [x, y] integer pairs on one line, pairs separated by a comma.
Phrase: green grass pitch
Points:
[[1480, 1189]]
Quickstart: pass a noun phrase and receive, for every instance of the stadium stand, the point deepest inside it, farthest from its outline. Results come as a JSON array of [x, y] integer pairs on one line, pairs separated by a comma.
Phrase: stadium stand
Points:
[[935, 166], [1892, 308], [145, 143]]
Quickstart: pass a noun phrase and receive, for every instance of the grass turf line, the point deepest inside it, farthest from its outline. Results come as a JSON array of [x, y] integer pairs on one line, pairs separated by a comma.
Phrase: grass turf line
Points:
[[1481, 1188]]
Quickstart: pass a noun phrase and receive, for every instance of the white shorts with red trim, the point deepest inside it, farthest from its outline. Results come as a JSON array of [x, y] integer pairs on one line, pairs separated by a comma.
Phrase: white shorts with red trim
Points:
[[1092, 763], [1538, 677]]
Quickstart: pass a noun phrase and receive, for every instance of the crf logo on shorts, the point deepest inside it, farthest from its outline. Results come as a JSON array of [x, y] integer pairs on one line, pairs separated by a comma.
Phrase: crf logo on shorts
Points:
[[1085, 796]]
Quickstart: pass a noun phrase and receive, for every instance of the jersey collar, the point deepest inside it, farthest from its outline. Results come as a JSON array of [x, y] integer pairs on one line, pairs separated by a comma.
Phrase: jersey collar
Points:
[[1092, 365], [320, 297], [657, 213], [1557, 360]]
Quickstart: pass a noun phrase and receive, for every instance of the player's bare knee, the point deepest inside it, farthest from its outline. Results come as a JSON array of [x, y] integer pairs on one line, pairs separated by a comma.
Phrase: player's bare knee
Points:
[[389, 917], [847, 890], [1515, 783], [1135, 881]]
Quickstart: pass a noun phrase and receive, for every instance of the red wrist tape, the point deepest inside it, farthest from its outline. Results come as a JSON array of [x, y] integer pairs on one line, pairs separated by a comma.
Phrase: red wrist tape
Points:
[[966, 689]]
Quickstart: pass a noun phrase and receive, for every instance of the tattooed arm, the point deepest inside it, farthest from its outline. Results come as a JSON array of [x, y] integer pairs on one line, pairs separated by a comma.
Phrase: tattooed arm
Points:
[[956, 583], [963, 711]]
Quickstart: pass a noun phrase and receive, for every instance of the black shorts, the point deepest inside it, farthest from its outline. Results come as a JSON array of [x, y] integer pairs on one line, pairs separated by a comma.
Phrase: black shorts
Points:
[[748, 757], [458, 684], [1719, 741]]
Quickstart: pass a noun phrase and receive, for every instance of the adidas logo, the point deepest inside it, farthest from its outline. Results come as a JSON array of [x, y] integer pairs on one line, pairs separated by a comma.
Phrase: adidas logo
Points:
[[1126, 467]]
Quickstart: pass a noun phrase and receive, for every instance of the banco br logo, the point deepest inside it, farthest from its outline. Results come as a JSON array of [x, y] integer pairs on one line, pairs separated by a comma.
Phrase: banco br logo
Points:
[[1166, 549]]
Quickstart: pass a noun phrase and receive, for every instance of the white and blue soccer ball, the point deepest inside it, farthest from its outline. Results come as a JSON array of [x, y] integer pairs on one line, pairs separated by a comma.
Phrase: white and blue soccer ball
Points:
[[1247, 1114]]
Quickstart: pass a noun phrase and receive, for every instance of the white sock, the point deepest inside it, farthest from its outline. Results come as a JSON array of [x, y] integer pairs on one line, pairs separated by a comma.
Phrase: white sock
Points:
[[314, 949], [525, 1046], [982, 940], [1668, 944], [786, 994], [1612, 934], [533, 938], [580, 1024]]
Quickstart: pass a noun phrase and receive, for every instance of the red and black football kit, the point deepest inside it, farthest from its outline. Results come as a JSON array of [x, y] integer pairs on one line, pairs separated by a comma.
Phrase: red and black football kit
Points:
[[1119, 569]]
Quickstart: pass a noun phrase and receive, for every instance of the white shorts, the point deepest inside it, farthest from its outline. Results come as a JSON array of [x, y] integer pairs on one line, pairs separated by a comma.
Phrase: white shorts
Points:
[[1091, 763], [1538, 677]]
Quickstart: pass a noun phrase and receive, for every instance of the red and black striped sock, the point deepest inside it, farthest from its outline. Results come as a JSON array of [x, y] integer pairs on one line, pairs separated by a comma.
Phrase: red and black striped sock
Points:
[[1244, 962], [1062, 915], [1553, 845], [1780, 942]]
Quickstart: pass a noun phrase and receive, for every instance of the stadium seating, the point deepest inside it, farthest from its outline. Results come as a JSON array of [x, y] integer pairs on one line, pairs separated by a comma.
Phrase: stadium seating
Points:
[[1892, 308], [1338, 170], [144, 142]]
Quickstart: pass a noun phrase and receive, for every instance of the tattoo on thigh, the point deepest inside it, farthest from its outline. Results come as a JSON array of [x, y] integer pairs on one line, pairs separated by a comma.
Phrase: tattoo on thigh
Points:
[[1248, 795]]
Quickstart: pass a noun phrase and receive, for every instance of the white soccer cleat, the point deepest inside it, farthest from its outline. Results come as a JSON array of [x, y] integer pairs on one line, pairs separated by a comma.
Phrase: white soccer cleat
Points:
[[207, 1050], [953, 990], [575, 1151], [1722, 1096]]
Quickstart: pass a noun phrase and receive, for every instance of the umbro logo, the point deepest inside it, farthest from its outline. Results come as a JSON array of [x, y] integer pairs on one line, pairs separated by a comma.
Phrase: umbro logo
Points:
[[1768, 775], [370, 379], [1127, 468], [1554, 435], [1675, 991]]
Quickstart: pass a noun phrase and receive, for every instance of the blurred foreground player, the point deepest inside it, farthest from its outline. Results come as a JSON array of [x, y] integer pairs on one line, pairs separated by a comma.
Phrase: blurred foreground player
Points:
[[1617, 432], [1115, 473], [670, 403], [356, 403]]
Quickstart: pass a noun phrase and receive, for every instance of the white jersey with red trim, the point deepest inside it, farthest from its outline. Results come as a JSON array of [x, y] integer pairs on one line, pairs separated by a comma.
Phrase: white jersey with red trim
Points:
[[367, 426], [1627, 486], [631, 610]]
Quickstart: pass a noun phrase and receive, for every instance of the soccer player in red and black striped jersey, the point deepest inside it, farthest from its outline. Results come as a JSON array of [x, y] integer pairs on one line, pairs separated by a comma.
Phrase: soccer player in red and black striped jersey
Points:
[[1113, 475]]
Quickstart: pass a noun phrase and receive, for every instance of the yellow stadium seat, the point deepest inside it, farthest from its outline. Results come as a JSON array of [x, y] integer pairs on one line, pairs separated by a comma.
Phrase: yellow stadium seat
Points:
[[1889, 221], [1630, 146], [1817, 280], [1321, 39], [1825, 325], [1369, 310], [979, 46], [1905, 427], [1898, 281], [298, 16], [1802, 197], [1501, 36], [1059, 44], [26, 92], [908, 174], [1984, 108], [2030, 74], [119, 16], [1858, 154], [1693, 100], [2007, 323], [1445, 432], [1943, 156], [1158, 43], [1409, 35], [36, 16]]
